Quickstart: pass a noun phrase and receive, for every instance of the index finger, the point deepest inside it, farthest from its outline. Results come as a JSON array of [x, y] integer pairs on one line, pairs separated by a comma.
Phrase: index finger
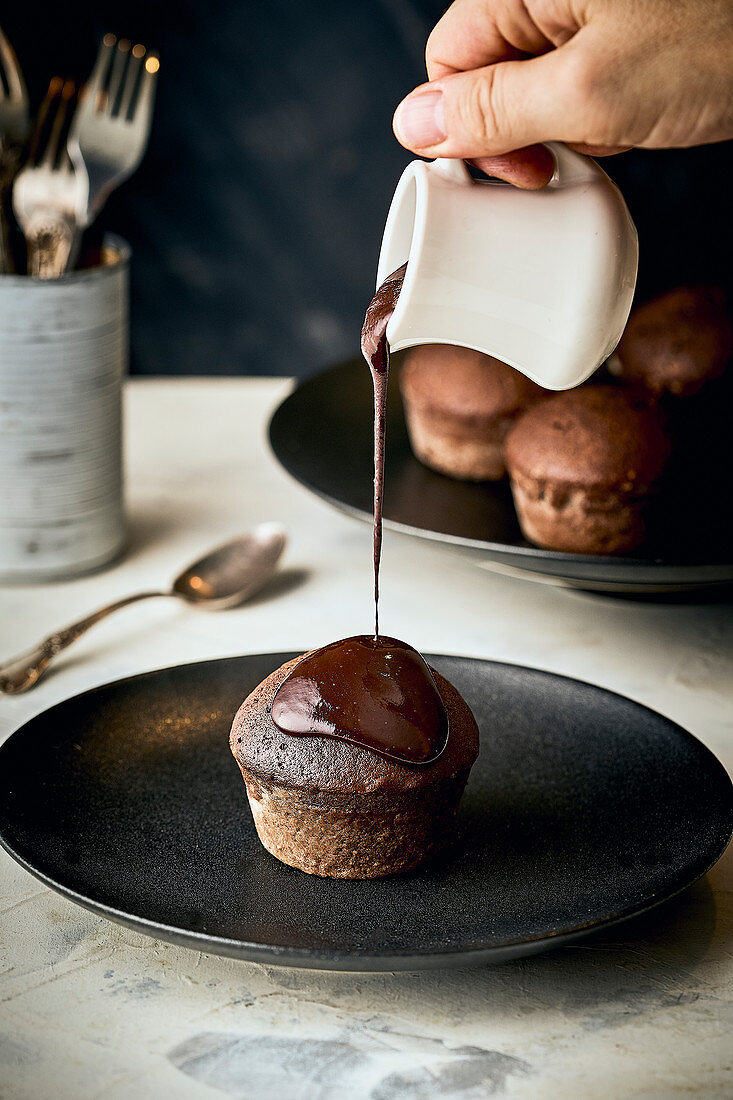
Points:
[[475, 33]]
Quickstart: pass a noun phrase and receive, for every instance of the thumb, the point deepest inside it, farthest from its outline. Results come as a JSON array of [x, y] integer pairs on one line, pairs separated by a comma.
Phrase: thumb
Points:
[[489, 111]]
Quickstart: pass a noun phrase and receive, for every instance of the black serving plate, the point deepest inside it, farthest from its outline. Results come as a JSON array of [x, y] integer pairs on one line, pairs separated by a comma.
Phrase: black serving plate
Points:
[[322, 435], [583, 808]]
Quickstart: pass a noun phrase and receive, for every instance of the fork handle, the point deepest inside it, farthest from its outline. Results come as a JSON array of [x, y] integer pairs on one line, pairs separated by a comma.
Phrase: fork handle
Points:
[[6, 259], [6, 265], [22, 673], [49, 239], [8, 167]]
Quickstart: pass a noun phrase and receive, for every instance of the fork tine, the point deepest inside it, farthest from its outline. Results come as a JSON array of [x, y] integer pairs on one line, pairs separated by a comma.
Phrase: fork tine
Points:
[[95, 83], [131, 79], [54, 88], [119, 63], [144, 105], [11, 68], [51, 152]]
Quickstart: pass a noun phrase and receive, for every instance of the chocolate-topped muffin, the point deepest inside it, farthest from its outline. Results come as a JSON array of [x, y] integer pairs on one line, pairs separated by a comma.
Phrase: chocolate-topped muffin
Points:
[[583, 466], [337, 809], [459, 406], [676, 343]]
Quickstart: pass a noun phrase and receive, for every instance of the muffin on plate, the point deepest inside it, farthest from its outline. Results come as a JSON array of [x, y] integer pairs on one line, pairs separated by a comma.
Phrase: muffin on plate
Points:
[[583, 466], [676, 343], [337, 809], [459, 405]]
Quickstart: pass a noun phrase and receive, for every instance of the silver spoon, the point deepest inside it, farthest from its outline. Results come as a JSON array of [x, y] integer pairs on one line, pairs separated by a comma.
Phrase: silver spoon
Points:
[[224, 578]]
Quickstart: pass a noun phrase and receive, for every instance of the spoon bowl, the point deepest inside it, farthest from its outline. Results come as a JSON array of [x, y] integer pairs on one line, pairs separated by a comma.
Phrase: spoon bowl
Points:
[[232, 573]]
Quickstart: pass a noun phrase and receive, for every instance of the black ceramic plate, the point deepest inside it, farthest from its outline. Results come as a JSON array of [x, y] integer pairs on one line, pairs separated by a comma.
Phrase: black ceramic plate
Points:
[[582, 809], [322, 435]]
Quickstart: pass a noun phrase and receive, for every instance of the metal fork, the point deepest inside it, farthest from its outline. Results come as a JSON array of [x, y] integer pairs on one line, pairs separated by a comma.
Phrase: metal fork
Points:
[[47, 190], [111, 125], [14, 129]]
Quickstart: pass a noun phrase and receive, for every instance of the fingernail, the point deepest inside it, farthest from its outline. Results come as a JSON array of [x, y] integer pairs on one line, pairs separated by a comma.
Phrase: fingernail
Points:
[[419, 120]]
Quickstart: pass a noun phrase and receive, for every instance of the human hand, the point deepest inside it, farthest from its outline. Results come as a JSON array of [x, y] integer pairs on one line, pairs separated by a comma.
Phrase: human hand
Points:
[[600, 75]]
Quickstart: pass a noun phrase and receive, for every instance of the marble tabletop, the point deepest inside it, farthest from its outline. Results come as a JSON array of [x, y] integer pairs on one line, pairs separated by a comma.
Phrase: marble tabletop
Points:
[[89, 1009]]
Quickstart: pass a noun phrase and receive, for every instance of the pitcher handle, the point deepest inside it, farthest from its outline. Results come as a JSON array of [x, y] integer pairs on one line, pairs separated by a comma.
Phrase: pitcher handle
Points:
[[453, 169], [572, 167]]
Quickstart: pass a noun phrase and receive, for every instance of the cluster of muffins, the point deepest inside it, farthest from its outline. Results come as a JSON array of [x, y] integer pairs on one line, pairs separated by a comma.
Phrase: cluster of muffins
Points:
[[584, 465]]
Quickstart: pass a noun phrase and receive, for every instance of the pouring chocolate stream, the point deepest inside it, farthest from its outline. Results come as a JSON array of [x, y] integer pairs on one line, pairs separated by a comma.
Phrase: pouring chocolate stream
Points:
[[375, 349], [375, 692]]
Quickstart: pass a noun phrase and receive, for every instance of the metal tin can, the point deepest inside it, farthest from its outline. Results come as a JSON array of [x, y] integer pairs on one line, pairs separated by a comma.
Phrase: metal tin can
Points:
[[63, 358]]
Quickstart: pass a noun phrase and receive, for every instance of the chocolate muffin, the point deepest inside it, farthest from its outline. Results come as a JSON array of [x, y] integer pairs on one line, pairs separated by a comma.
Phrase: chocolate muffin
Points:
[[583, 467], [676, 343], [459, 406], [336, 809]]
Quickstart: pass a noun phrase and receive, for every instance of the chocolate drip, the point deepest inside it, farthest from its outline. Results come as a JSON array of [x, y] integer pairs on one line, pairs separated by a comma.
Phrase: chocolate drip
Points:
[[375, 350], [375, 692]]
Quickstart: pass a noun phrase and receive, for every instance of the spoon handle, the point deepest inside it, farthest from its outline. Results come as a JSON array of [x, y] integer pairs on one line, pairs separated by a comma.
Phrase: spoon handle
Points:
[[23, 672]]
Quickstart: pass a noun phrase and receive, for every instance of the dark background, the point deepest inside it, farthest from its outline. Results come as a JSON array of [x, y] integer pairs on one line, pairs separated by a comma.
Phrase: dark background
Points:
[[257, 214]]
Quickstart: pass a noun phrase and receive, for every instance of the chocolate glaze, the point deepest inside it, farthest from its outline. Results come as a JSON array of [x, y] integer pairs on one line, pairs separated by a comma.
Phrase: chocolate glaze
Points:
[[375, 349], [375, 692]]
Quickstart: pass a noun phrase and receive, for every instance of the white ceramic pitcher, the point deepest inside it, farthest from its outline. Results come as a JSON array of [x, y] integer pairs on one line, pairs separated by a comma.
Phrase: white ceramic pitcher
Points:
[[542, 280]]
